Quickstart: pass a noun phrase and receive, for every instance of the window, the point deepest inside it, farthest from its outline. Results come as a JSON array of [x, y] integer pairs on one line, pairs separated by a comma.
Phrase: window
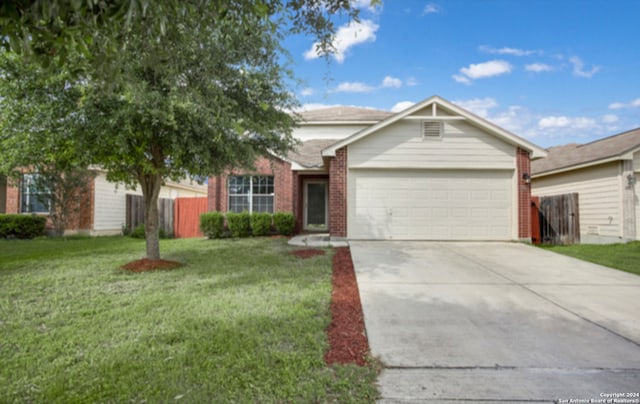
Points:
[[253, 193], [33, 199]]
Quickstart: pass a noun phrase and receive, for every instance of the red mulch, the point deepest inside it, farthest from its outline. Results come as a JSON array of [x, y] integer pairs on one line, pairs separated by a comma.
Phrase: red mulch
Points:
[[307, 253], [150, 265], [347, 338]]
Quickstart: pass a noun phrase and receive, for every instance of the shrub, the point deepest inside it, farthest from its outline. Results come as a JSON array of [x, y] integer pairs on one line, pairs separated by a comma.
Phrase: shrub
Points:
[[22, 226], [239, 224], [212, 224], [285, 223], [138, 232], [260, 224]]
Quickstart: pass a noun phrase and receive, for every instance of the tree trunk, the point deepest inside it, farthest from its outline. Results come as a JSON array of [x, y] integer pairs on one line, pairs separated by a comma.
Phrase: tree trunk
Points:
[[151, 190]]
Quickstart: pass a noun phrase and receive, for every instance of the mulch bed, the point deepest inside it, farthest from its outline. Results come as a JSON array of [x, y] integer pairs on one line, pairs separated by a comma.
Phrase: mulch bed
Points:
[[150, 265], [347, 338], [307, 253]]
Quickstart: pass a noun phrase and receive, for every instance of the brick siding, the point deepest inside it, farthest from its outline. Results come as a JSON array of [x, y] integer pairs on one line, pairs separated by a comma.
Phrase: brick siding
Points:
[[523, 163], [283, 181], [338, 194]]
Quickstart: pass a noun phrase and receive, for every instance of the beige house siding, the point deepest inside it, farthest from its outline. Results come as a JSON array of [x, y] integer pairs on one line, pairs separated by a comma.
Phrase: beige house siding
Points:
[[636, 162], [337, 132], [110, 202], [600, 197], [401, 145]]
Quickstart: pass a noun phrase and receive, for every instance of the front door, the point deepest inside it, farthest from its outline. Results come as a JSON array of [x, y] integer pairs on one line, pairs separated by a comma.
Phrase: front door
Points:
[[315, 206]]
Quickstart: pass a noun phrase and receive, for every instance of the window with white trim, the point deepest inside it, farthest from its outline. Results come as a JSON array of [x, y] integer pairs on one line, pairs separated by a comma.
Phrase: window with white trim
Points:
[[33, 198], [251, 193]]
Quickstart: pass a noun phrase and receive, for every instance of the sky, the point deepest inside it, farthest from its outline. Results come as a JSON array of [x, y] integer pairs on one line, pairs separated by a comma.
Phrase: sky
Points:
[[553, 72]]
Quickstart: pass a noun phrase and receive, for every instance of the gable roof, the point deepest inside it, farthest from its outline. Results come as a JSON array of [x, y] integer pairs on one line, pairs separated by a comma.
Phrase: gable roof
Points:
[[459, 113], [308, 154], [343, 114], [572, 156]]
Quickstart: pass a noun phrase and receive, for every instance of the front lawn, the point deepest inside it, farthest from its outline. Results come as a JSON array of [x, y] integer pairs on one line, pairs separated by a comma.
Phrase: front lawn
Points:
[[625, 257], [243, 321]]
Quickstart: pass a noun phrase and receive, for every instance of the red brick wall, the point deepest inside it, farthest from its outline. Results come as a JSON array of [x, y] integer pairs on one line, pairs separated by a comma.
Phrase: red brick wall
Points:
[[283, 184], [81, 220], [13, 197], [338, 194], [523, 163]]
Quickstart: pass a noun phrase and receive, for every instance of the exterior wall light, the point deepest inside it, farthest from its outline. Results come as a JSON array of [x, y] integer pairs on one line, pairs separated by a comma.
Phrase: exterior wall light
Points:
[[631, 180], [526, 178]]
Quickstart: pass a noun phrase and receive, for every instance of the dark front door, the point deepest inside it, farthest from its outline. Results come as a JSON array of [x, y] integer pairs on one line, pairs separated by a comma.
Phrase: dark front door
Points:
[[315, 197]]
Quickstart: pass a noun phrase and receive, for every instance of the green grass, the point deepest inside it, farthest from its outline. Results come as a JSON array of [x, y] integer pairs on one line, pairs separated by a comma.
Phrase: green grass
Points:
[[242, 321], [625, 257]]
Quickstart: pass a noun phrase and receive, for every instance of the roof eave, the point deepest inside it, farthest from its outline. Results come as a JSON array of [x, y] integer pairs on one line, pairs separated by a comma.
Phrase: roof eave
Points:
[[335, 123]]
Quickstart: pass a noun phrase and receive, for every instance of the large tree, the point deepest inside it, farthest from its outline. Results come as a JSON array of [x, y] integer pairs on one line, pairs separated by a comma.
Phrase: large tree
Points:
[[174, 88]]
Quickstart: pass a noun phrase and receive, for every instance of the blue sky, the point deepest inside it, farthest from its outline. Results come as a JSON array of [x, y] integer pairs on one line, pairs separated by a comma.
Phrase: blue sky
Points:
[[553, 72]]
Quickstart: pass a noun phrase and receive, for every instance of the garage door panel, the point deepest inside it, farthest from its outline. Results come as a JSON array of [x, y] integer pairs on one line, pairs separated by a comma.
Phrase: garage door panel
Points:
[[430, 205]]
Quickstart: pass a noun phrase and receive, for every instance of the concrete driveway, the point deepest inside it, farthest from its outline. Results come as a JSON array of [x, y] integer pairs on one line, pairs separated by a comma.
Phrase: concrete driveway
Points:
[[497, 322]]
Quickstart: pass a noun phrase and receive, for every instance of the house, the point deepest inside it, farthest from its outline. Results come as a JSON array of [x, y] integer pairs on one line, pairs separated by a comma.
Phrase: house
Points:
[[431, 172], [103, 210], [604, 173]]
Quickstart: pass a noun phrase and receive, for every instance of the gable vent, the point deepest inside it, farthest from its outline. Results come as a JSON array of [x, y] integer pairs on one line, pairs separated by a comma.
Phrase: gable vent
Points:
[[431, 130]]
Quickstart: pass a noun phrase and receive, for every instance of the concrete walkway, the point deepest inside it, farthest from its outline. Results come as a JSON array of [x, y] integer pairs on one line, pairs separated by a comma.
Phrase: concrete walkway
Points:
[[496, 322], [318, 241]]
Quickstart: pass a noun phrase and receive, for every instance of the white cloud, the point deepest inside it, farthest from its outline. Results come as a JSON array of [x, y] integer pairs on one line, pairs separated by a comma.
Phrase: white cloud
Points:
[[553, 122], [578, 68], [479, 106], [483, 70], [610, 118], [461, 79], [364, 5], [402, 105], [621, 105], [353, 87], [508, 51], [431, 8], [538, 67], [391, 82], [411, 82], [307, 91], [347, 36]]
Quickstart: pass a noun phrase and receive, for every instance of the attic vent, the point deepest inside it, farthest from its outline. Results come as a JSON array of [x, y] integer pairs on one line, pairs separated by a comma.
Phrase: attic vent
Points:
[[431, 130]]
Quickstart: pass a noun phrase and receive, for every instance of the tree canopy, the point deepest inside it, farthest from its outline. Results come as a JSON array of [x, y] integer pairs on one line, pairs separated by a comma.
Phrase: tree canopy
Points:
[[171, 88]]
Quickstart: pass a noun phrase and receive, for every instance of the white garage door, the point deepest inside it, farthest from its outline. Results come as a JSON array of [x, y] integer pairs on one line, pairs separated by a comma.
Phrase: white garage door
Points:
[[430, 205]]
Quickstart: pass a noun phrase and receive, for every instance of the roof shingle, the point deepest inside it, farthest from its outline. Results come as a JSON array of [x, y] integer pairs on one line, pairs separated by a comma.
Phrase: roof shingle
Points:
[[570, 155], [309, 153], [344, 114]]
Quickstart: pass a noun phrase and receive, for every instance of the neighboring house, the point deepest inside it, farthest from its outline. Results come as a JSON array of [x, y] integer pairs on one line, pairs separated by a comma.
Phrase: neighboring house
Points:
[[604, 173], [103, 210], [431, 172]]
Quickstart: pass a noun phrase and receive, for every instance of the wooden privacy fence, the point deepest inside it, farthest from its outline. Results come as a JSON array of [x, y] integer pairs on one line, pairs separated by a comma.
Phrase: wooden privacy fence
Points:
[[187, 216], [555, 219], [135, 213], [179, 217]]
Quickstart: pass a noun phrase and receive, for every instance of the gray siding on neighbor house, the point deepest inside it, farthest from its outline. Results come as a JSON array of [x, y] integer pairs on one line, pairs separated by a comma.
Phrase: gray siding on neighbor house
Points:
[[600, 198]]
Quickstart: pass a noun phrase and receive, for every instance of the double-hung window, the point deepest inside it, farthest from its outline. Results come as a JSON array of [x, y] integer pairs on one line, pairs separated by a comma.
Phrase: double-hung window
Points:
[[33, 197], [251, 193]]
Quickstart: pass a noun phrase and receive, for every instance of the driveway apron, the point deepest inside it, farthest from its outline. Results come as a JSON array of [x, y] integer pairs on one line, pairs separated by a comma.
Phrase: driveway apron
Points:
[[500, 322]]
